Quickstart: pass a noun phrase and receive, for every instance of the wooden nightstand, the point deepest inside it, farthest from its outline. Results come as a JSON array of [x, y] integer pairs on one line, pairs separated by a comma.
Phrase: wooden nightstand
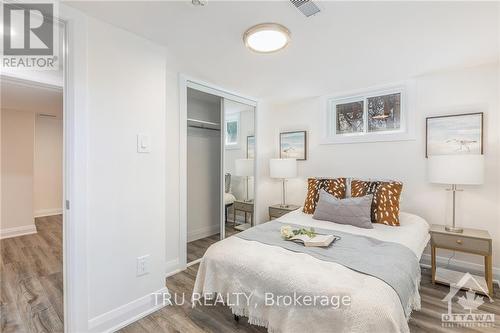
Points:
[[473, 241], [276, 211], [244, 206]]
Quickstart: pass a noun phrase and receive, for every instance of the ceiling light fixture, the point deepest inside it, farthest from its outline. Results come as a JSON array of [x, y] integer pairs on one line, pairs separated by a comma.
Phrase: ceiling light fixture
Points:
[[266, 37], [199, 2]]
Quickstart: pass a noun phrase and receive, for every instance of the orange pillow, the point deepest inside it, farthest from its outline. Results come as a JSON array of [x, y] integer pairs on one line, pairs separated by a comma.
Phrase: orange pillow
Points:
[[334, 186], [386, 195]]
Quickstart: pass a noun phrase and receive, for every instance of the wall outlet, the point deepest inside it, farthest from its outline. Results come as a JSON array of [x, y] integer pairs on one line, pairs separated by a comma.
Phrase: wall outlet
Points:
[[143, 265]]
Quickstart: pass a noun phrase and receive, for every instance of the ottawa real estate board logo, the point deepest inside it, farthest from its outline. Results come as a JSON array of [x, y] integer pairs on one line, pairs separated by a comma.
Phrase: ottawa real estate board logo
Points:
[[468, 313], [29, 36]]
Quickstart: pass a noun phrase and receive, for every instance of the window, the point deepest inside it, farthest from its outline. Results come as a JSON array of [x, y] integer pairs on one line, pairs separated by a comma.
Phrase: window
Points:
[[377, 115], [232, 130]]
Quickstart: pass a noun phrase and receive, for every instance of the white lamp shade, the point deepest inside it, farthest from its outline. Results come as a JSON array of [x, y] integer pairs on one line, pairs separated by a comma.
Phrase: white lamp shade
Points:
[[456, 169], [244, 167], [283, 168]]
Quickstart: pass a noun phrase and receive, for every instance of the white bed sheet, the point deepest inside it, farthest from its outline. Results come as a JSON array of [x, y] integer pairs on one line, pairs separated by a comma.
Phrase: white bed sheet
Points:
[[234, 265], [412, 233]]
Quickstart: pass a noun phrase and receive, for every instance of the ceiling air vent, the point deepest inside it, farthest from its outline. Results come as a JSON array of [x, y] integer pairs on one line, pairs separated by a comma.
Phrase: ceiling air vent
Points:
[[306, 7]]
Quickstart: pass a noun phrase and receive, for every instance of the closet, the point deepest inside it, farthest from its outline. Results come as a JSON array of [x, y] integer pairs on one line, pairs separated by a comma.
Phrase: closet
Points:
[[220, 149]]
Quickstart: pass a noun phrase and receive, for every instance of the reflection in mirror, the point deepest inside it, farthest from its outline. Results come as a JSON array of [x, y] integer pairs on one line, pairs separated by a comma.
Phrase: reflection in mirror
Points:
[[239, 154]]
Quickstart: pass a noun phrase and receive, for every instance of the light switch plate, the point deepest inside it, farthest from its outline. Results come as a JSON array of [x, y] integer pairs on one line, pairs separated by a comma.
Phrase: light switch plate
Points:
[[143, 143]]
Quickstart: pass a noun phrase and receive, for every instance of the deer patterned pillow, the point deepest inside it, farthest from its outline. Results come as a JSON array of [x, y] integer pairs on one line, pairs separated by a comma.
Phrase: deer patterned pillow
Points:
[[334, 186], [385, 204]]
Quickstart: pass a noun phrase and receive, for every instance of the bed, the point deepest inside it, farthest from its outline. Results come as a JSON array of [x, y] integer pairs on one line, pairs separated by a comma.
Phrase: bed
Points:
[[234, 265]]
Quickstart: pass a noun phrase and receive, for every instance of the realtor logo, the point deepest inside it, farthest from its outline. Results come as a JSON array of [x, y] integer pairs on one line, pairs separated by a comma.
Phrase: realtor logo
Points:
[[30, 36], [28, 29], [470, 314]]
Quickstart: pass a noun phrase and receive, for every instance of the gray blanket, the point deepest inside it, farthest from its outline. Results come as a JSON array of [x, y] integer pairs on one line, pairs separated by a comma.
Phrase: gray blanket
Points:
[[390, 262]]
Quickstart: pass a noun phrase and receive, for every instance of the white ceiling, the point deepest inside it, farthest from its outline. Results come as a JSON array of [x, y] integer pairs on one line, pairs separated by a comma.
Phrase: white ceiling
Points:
[[347, 46], [31, 98]]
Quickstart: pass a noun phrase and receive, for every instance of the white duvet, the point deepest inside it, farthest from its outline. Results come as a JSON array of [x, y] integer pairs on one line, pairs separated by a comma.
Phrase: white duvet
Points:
[[233, 266]]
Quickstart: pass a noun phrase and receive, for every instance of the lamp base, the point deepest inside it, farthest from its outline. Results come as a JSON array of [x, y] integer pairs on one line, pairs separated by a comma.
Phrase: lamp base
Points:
[[285, 206], [453, 229]]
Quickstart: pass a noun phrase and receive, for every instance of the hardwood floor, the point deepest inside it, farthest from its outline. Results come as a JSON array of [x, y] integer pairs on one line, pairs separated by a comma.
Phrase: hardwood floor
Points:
[[220, 319], [31, 298], [196, 249]]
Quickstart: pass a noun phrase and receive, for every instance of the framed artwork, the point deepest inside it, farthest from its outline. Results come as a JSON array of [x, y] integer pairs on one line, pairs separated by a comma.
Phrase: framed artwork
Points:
[[293, 145], [232, 131], [251, 147], [454, 134]]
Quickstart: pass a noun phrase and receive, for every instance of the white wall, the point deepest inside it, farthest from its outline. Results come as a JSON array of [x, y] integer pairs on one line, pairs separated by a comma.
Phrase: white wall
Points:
[[203, 171], [48, 176], [457, 91], [17, 138], [126, 197]]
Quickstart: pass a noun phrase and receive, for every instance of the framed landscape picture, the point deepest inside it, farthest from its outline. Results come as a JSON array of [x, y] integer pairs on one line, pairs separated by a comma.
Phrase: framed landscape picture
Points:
[[454, 134], [251, 146], [293, 145]]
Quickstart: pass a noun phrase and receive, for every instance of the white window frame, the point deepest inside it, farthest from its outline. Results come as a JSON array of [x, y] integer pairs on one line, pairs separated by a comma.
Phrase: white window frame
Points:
[[230, 118], [405, 132]]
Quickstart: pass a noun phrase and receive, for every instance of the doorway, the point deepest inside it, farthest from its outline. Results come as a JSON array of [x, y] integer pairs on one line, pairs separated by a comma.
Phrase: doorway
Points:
[[33, 188]]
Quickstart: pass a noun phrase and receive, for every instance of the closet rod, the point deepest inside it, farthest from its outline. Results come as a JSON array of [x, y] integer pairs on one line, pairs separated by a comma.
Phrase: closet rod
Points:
[[203, 122], [207, 128]]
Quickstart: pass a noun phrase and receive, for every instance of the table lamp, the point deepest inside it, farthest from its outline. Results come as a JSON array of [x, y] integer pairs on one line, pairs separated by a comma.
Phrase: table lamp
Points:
[[244, 168], [456, 170], [283, 168]]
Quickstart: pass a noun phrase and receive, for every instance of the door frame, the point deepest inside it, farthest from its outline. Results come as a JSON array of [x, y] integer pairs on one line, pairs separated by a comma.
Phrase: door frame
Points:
[[186, 82], [75, 113]]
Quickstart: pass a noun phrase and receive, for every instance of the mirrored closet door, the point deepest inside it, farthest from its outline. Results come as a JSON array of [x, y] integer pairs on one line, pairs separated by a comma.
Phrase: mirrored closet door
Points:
[[220, 169], [239, 153]]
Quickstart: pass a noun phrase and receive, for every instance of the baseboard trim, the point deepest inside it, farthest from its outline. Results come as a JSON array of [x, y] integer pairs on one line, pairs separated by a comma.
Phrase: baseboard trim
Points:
[[126, 314], [172, 267], [461, 266], [48, 212], [194, 262], [17, 231], [203, 232]]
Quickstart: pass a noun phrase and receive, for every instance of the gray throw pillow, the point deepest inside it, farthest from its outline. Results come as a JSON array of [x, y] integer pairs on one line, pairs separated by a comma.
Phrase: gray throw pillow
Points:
[[352, 211]]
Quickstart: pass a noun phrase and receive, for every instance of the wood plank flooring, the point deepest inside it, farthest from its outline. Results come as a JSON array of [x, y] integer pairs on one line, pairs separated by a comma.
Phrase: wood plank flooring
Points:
[[31, 298], [31, 294], [196, 249], [220, 319]]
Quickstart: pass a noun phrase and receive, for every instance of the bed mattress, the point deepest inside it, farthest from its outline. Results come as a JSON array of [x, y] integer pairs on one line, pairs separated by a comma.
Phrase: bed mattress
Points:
[[234, 266]]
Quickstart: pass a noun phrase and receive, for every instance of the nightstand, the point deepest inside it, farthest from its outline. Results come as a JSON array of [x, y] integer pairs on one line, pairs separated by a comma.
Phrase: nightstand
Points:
[[472, 241], [244, 206], [276, 211]]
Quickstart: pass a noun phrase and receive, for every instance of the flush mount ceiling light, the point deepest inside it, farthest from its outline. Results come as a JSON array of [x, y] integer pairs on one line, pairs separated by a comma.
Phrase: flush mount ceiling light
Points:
[[266, 37]]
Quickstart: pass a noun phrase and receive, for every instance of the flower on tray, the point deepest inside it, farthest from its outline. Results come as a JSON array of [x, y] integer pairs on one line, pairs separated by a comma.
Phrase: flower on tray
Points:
[[287, 232]]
